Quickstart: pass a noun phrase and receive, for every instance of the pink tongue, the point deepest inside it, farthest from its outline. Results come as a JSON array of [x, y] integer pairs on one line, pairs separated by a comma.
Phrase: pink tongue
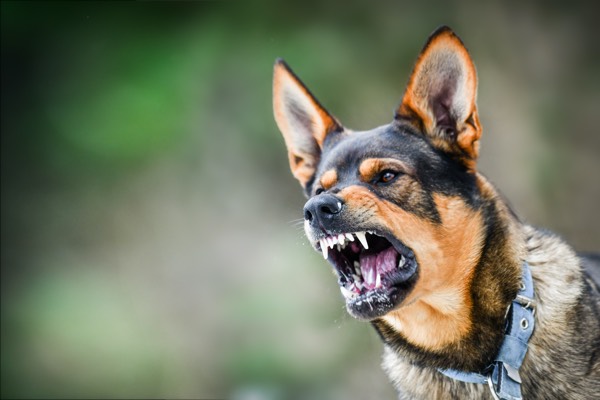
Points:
[[373, 264]]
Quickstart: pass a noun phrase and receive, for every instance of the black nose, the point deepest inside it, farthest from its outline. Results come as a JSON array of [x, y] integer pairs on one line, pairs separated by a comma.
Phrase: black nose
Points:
[[322, 207]]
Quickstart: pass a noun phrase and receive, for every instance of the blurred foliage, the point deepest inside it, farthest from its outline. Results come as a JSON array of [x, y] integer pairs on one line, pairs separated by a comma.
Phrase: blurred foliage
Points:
[[150, 244]]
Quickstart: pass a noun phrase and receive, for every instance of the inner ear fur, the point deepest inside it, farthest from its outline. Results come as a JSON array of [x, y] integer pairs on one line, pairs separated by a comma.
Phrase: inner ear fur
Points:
[[303, 122], [441, 97]]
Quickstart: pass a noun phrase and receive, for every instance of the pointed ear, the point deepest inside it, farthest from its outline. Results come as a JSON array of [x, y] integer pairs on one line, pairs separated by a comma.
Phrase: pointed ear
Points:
[[441, 95], [303, 122]]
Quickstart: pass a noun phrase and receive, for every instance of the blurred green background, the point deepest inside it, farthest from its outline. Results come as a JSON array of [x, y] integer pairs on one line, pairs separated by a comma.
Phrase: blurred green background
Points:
[[149, 236]]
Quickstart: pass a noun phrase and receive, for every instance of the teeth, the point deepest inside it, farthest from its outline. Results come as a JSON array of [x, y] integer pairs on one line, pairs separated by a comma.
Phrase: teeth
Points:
[[324, 248], [362, 239], [357, 278], [346, 292], [378, 281], [357, 268], [402, 261], [340, 241]]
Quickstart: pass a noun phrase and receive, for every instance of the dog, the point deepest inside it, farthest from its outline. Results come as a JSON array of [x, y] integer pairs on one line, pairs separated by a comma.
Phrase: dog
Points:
[[470, 302]]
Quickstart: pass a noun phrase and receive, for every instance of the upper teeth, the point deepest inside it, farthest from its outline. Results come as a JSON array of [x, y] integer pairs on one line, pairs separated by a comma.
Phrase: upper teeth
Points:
[[362, 239], [342, 241]]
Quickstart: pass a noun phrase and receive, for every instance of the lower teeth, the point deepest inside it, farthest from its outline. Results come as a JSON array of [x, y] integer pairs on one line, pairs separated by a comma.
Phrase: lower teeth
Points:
[[402, 261], [360, 283], [345, 292]]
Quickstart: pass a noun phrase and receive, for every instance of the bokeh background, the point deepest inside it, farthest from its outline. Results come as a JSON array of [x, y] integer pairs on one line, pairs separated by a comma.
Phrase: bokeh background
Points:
[[150, 244]]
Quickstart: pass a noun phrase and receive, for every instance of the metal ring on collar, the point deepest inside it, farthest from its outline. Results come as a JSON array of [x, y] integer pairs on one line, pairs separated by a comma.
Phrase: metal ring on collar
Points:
[[492, 388]]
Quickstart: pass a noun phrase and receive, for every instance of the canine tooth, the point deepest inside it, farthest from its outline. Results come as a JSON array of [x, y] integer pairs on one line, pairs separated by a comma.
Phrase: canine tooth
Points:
[[362, 239], [402, 261], [346, 292], [324, 248], [350, 237], [341, 239], [378, 281]]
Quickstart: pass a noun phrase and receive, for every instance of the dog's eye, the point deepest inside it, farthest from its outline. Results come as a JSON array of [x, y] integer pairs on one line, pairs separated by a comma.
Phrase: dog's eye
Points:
[[319, 191], [386, 176]]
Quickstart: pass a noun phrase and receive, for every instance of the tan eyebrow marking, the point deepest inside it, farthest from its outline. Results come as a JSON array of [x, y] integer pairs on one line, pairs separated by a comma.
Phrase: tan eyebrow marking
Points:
[[372, 166], [328, 179]]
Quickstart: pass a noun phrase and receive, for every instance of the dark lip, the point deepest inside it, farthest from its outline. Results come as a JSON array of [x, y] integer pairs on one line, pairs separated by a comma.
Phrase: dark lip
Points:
[[377, 302]]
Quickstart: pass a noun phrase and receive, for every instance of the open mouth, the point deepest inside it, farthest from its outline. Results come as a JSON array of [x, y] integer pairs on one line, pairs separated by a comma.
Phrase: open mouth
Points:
[[375, 271]]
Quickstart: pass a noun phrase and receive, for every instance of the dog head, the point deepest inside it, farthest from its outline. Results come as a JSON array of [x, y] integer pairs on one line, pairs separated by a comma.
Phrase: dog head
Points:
[[394, 209]]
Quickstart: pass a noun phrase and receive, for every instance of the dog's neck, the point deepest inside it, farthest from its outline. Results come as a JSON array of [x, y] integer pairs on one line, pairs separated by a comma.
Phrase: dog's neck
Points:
[[462, 326]]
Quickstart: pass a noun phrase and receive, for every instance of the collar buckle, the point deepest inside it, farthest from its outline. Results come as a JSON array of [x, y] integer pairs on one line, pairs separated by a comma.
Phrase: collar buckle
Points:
[[526, 302]]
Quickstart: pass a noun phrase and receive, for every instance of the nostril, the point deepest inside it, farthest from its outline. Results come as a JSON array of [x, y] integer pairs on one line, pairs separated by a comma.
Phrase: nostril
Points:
[[307, 215], [326, 210], [331, 208]]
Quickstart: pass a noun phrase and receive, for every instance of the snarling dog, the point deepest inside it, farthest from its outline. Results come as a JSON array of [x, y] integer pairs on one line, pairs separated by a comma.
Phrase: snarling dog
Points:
[[469, 301]]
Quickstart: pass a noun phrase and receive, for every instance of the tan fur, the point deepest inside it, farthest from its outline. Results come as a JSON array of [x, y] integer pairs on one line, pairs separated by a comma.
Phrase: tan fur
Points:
[[437, 311], [438, 308], [372, 166], [328, 179]]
